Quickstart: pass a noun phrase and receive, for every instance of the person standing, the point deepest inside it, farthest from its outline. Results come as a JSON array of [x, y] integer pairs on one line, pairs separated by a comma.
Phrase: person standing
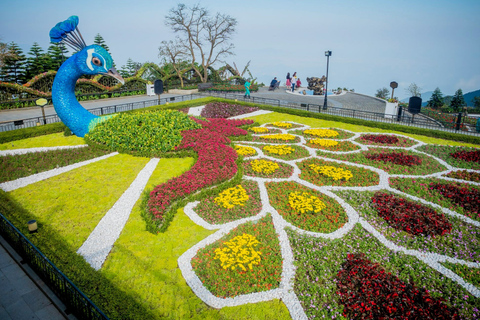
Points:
[[288, 83], [299, 83], [247, 89], [294, 81]]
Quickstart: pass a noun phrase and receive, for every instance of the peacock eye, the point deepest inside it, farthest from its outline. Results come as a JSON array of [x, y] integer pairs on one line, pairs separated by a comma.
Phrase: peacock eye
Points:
[[96, 61]]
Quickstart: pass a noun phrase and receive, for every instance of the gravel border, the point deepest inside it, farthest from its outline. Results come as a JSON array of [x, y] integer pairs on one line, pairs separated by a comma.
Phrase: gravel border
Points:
[[285, 290]]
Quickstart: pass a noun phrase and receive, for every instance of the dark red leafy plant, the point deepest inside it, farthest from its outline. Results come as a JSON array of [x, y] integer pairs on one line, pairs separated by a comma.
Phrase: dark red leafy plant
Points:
[[368, 292], [468, 199], [225, 110], [409, 216], [469, 156], [380, 138], [465, 175], [395, 158], [215, 163]]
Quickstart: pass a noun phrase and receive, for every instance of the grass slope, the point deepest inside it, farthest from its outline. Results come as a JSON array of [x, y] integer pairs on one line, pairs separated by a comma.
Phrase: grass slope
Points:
[[49, 140]]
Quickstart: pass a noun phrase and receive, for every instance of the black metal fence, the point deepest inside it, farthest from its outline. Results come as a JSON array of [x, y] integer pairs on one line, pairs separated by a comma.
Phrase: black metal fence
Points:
[[403, 117], [75, 301]]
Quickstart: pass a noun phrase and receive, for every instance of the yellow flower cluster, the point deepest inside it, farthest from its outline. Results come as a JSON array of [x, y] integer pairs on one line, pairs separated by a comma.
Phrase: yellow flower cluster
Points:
[[281, 136], [282, 124], [245, 151], [232, 197], [239, 252], [324, 142], [264, 166], [259, 129], [332, 172], [305, 203], [324, 133], [280, 149]]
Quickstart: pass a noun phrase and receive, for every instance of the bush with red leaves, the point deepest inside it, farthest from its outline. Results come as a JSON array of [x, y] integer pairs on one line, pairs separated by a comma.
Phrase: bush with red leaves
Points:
[[225, 110], [469, 156], [380, 138], [368, 292], [468, 199], [395, 158], [409, 216]]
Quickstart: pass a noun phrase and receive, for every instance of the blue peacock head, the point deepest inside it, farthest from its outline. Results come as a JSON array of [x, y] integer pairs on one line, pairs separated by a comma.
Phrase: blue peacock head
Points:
[[89, 60]]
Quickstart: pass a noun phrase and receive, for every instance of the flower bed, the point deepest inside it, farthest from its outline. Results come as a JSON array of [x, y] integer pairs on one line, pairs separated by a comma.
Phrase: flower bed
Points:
[[281, 137], [464, 175], [398, 158], [467, 198], [468, 156], [428, 165], [214, 213], [325, 221], [445, 152], [285, 152], [324, 133], [225, 110], [245, 151], [421, 187], [360, 177], [262, 276], [325, 144], [282, 171], [283, 125], [367, 291], [215, 164], [383, 139], [410, 217]]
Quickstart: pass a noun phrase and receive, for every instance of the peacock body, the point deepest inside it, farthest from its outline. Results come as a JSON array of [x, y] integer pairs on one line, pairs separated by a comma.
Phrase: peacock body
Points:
[[89, 60]]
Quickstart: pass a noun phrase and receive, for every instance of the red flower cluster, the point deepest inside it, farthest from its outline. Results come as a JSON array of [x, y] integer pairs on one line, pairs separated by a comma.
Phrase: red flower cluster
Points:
[[396, 158], [225, 110], [469, 156], [215, 164], [468, 199], [380, 138], [409, 216], [465, 175], [368, 292]]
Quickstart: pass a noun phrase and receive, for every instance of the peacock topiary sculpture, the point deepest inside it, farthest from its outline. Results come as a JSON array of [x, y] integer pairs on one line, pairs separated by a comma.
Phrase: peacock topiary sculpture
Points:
[[89, 60]]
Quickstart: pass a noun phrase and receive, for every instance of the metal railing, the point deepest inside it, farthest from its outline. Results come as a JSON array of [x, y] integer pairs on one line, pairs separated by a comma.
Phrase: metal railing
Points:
[[405, 118], [37, 121], [75, 301]]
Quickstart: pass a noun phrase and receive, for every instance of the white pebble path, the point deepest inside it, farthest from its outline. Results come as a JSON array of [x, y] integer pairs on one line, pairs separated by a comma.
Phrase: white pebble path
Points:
[[285, 290]]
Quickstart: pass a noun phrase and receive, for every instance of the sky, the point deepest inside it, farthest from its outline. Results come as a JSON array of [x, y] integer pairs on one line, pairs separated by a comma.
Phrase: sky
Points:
[[432, 43]]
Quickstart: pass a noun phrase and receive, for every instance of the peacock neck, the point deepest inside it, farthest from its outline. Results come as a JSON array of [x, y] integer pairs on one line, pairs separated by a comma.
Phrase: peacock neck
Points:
[[72, 114]]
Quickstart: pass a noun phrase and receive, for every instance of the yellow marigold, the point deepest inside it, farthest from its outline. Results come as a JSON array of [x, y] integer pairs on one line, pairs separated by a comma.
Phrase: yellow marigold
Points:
[[305, 203], [280, 149], [332, 172], [239, 252], [324, 133], [324, 142], [282, 124], [281, 136], [245, 151], [259, 129], [232, 197], [264, 166]]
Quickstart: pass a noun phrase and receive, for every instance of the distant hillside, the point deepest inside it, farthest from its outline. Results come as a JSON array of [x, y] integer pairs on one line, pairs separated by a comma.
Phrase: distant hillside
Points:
[[427, 95]]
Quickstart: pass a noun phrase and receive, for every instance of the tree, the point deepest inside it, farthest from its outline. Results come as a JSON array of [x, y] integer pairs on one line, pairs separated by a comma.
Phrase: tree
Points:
[[101, 42], [58, 55], [4, 53], [13, 69], [130, 69], [202, 36], [436, 100], [174, 53], [458, 102], [476, 102], [414, 90], [382, 93], [37, 63]]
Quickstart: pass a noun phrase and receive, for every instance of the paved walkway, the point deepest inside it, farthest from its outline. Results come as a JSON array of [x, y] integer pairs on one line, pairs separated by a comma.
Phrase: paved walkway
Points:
[[21, 297]]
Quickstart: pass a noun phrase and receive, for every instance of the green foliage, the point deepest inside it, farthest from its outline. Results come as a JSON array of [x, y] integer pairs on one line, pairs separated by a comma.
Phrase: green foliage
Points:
[[18, 166], [19, 134], [436, 100], [381, 93], [147, 132], [458, 102], [13, 69]]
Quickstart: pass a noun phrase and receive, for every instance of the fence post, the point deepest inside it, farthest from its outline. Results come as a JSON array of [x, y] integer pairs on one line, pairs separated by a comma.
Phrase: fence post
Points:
[[399, 115], [459, 121]]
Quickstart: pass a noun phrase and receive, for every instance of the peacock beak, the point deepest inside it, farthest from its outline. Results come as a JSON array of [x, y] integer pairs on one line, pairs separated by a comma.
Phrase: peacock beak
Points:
[[112, 72]]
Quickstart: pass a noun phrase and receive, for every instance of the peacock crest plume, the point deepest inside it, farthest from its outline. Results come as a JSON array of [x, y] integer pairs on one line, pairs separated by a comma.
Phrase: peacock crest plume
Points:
[[89, 60]]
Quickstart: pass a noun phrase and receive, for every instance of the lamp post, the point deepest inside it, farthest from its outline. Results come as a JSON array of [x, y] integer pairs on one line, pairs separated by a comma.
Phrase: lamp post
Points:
[[327, 54]]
